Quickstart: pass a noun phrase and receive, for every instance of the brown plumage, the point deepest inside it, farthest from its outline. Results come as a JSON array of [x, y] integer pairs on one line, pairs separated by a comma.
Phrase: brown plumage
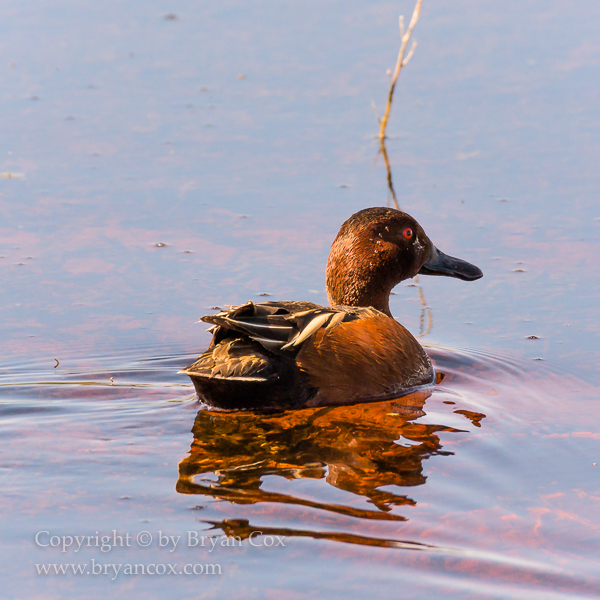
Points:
[[280, 355], [372, 357]]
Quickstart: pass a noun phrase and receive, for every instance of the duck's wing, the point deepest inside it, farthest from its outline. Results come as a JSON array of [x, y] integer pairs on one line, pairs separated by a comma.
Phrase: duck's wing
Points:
[[235, 357], [277, 326], [253, 340]]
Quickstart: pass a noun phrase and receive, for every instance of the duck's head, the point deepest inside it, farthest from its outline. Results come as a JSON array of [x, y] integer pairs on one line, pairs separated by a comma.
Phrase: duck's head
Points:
[[375, 250]]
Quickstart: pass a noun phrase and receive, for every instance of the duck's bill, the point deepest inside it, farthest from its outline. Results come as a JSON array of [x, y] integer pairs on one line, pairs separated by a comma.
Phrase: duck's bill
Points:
[[442, 264]]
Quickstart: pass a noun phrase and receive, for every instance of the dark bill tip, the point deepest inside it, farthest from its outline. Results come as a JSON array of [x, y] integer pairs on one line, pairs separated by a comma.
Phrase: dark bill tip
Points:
[[442, 264]]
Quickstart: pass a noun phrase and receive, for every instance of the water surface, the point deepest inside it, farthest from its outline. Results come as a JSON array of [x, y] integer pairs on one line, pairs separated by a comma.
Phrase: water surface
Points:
[[166, 159]]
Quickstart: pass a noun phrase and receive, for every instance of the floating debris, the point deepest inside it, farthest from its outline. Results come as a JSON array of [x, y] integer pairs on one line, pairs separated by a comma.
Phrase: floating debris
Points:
[[160, 245]]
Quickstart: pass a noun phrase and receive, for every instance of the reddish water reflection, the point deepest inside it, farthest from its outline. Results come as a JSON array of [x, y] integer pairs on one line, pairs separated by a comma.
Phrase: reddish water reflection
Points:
[[357, 449], [363, 449]]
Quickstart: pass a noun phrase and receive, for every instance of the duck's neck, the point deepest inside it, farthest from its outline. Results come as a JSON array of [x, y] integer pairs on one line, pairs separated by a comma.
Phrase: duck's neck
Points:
[[349, 283]]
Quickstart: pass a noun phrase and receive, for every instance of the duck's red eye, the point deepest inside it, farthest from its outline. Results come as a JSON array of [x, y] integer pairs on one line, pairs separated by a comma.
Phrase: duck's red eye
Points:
[[407, 233]]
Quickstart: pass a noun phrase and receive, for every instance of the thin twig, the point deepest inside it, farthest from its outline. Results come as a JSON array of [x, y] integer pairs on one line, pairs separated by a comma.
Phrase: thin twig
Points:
[[425, 310], [401, 62], [424, 329], [388, 169]]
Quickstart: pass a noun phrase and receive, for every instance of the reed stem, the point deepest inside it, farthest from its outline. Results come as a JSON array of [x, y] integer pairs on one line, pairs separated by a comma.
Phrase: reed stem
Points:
[[401, 62]]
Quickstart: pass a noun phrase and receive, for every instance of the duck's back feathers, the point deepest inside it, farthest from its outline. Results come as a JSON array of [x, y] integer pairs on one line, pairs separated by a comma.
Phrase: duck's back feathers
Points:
[[289, 354]]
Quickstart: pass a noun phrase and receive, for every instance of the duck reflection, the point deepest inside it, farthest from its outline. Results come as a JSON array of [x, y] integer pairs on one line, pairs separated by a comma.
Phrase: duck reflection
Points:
[[360, 449], [242, 529]]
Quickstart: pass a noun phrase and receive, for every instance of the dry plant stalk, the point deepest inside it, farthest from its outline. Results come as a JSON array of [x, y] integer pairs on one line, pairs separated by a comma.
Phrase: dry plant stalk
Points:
[[388, 169], [425, 310], [401, 62]]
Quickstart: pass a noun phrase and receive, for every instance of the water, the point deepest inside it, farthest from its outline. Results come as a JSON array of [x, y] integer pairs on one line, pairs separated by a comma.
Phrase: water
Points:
[[151, 182]]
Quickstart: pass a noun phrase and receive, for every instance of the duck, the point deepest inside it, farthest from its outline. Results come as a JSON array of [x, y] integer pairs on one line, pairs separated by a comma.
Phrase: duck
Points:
[[287, 355]]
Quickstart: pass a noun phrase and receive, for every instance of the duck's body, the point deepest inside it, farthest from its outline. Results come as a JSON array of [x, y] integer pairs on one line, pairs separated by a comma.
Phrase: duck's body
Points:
[[281, 355]]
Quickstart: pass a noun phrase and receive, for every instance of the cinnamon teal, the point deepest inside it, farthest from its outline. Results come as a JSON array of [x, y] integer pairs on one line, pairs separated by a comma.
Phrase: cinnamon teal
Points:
[[293, 354]]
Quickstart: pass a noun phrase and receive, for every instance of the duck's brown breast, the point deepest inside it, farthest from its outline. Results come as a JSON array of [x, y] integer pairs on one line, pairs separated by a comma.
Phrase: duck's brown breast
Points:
[[363, 359]]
